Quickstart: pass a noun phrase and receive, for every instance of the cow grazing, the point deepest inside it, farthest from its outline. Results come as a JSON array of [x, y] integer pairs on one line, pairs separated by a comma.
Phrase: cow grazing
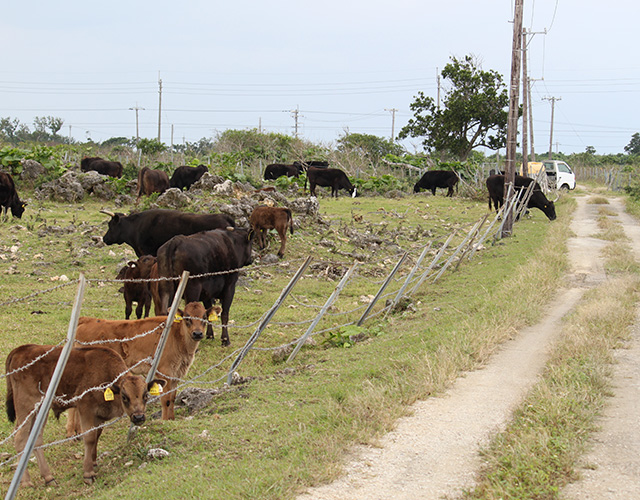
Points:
[[148, 230], [9, 198], [275, 170], [264, 218], [495, 186], [311, 163], [437, 179], [137, 291], [334, 178], [185, 335], [152, 181], [103, 167], [183, 177], [214, 251], [86, 368]]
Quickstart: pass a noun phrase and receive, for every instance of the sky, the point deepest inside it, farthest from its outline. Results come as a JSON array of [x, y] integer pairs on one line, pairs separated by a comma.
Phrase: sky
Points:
[[349, 66]]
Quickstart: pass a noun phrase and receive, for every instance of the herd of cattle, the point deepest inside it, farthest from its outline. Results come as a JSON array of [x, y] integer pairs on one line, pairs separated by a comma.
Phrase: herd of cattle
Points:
[[166, 242]]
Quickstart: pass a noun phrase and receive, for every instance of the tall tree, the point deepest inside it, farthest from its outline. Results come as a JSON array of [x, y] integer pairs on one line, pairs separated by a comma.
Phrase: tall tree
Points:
[[633, 148], [474, 111]]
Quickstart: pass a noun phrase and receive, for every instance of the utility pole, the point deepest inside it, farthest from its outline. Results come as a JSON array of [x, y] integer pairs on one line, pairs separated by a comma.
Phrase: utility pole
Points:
[[533, 151], [159, 104], [136, 109], [438, 82], [295, 113], [553, 106], [512, 123], [525, 106], [393, 122]]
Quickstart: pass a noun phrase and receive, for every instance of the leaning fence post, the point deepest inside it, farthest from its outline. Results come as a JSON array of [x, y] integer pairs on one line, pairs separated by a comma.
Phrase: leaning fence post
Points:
[[484, 236], [324, 309], [267, 319], [433, 263], [457, 250], [51, 391], [409, 277], [382, 288], [167, 327]]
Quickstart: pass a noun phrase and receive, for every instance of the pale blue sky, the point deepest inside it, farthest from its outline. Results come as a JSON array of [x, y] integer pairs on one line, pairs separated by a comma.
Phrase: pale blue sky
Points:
[[343, 64]]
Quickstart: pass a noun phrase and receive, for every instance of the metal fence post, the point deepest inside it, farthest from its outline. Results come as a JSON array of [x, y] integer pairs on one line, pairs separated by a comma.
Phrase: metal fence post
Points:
[[51, 391], [382, 288], [324, 309], [433, 263], [267, 319]]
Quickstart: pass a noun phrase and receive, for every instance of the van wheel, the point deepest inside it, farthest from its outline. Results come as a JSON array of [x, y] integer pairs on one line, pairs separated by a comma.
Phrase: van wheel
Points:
[[564, 188]]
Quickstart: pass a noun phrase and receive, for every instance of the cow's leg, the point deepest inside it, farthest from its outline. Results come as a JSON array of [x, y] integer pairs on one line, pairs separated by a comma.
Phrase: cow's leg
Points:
[[147, 302], [312, 188], [73, 423], [139, 308], [128, 307], [167, 401], [262, 238], [282, 232], [20, 442], [225, 301], [450, 192], [90, 445], [433, 191]]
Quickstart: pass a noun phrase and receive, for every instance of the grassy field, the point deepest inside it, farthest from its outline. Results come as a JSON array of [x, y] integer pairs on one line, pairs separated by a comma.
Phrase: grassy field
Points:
[[288, 425]]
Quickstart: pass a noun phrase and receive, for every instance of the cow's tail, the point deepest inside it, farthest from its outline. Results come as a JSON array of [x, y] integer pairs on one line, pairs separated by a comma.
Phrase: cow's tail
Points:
[[289, 220], [11, 408]]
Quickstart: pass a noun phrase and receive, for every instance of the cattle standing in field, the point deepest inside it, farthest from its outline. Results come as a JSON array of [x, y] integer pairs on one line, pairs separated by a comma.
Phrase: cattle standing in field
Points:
[[304, 165], [86, 368], [137, 291], [152, 181], [437, 179], [495, 186], [334, 178], [103, 167], [184, 337], [9, 198], [275, 170], [264, 218], [207, 252], [148, 230], [183, 177]]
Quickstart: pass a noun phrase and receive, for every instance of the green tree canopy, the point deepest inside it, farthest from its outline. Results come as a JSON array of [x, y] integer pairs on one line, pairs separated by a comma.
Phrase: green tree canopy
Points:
[[370, 146], [633, 148], [474, 111]]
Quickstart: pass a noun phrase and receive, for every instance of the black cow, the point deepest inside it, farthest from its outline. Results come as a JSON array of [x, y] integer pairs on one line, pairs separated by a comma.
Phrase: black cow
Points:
[[104, 167], [495, 186], [304, 165], [334, 178], [203, 253], [9, 198], [183, 177], [152, 181], [148, 230], [275, 170], [437, 179]]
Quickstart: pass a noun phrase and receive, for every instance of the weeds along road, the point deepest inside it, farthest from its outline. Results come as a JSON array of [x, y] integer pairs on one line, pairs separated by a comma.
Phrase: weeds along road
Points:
[[434, 452]]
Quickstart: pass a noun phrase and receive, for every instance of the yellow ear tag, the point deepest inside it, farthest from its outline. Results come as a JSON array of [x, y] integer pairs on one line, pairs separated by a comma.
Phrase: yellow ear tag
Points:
[[156, 389], [108, 394], [213, 317], [177, 319]]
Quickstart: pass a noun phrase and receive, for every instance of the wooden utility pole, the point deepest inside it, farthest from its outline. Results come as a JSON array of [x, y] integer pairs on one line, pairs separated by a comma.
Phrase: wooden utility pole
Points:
[[525, 107], [136, 109], [393, 122], [553, 106], [159, 105], [512, 123]]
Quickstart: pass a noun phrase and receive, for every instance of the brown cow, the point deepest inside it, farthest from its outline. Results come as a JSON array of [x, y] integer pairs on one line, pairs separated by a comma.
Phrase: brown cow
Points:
[[137, 291], [152, 181], [87, 367], [183, 340], [264, 218]]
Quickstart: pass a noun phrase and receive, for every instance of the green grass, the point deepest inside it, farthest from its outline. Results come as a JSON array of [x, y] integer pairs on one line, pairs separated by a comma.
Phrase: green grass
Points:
[[291, 424]]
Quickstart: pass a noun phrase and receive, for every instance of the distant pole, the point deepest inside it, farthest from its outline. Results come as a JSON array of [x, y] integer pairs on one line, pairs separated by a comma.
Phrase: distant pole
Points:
[[136, 109], [172, 143], [533, 150], [296, 114], [159, 105], [525, 107], [553, 106], [512, 123], [393, 122], [438, 83]]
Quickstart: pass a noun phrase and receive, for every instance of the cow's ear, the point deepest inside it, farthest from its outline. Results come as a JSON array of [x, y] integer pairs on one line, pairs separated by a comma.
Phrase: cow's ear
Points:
[[115, 388], [157, 381]]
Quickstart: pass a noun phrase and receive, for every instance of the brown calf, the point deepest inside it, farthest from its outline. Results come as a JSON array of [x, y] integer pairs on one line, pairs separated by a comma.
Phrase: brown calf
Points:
[[152, 181], [264, 218], [183, 340], [86, 368], [139, 292]]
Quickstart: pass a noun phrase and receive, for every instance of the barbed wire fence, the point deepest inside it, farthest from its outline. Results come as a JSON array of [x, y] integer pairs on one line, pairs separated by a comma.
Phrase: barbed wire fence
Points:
[[406, 286]]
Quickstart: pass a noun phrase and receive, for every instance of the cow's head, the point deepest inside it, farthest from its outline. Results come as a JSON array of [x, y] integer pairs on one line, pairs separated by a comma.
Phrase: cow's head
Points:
[[193, 321], [133, 393], [17, 209], [114, 233], [540, 201]]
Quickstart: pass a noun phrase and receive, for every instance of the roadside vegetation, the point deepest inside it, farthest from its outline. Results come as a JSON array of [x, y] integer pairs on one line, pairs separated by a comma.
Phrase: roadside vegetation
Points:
[[538, 452]]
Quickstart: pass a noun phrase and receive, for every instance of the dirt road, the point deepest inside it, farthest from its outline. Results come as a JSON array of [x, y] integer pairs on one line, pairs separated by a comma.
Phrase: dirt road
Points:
[[434, 452]]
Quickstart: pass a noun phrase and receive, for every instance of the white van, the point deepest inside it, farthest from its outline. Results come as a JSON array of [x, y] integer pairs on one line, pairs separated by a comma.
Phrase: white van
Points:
[[560, 174]]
